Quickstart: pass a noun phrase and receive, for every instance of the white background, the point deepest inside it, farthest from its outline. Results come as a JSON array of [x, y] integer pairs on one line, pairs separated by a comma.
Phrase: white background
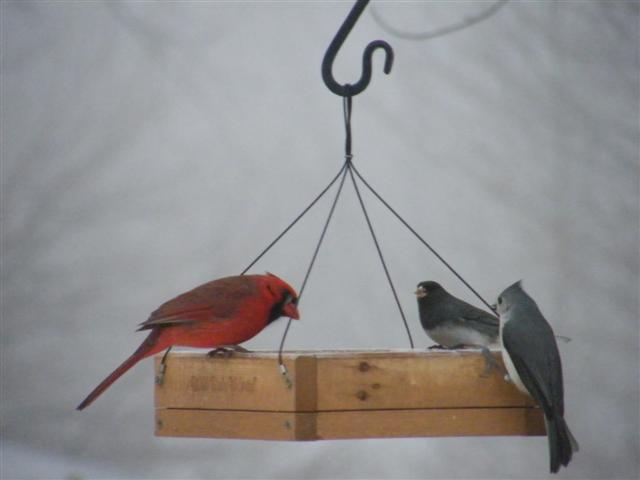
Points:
[[149, 147]]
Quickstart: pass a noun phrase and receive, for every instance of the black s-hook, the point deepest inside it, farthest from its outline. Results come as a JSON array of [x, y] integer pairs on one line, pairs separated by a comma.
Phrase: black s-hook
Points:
[[349, 90]]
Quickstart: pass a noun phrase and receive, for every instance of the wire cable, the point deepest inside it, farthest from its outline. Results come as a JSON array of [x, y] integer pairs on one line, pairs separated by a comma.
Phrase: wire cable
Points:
[[422, 240], [384, 264], [283, 368], [441, 31], [302, 214]]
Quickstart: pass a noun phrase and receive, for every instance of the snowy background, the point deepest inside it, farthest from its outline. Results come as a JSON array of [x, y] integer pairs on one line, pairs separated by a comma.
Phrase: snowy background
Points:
[[149, 147]]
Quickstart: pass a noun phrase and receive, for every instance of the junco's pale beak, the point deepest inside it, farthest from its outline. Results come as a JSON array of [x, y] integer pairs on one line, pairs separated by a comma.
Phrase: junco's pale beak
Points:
[[420, 292]]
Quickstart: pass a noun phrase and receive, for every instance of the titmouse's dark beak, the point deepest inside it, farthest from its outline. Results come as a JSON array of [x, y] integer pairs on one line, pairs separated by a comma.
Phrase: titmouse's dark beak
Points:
[[494, 307]]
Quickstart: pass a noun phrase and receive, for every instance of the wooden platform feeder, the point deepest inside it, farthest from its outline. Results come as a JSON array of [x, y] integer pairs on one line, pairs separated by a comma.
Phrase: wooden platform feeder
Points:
[[339, 395]]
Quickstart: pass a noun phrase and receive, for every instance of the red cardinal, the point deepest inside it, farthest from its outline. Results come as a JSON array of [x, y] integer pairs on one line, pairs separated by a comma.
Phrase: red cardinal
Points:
[[227, 311]]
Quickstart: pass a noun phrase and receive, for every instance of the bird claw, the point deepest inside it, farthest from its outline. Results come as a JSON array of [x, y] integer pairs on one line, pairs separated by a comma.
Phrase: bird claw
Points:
[[226, 351], [458, 346], [220, 352], [490, 363], [488, 368]]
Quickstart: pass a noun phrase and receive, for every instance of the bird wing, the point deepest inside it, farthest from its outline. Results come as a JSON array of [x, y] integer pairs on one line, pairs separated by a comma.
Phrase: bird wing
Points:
[[535, 356], [188, 316], [481, 320], [214, 301]]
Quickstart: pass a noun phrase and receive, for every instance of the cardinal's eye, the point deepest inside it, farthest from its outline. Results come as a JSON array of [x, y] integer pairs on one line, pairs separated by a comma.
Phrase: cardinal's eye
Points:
[[288, 298]]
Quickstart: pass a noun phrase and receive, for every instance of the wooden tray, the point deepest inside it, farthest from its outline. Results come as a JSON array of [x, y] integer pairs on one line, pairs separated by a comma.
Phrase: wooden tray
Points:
[[339, 395]]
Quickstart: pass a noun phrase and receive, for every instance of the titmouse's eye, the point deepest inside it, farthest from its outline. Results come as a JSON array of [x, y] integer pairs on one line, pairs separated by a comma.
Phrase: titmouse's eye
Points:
[[499, 300]]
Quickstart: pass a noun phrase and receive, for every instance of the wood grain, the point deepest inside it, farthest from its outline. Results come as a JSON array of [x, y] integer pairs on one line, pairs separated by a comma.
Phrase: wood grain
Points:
[[425, 380], [243, 382], [430, 423], [339, 394], [349, 424]]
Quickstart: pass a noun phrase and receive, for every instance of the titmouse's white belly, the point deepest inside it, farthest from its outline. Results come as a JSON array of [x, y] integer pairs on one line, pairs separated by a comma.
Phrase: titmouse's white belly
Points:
[[511, 369]]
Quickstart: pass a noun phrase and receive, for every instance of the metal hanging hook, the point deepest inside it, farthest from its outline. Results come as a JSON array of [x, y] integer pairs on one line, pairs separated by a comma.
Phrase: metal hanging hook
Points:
[[349, 90]]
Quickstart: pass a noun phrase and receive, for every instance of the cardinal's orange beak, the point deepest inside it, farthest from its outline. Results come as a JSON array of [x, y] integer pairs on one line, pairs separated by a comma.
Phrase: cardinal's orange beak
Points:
[[290, 310]]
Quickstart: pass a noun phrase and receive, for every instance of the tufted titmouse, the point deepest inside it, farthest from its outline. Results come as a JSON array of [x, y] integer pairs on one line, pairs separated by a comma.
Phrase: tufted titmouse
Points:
[[530, 353]]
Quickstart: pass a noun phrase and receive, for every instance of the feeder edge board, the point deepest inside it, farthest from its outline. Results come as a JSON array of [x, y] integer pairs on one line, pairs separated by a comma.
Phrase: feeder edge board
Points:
[[340, 394]]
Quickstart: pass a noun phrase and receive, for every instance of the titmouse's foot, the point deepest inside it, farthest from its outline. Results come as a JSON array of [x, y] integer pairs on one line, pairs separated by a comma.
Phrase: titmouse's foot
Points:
[[490, 363], [226, 351], [437, 347]]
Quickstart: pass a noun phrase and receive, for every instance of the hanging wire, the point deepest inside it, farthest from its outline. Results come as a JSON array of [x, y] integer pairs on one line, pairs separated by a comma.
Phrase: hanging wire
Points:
[[441, 31], [283, 368], [346, 168], [302, 214], [384, 264], [422, 240], [348, 108]]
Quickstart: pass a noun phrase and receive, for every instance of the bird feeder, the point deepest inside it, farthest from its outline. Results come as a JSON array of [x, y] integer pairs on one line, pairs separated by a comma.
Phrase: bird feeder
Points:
[[347, 393], [340, 395]]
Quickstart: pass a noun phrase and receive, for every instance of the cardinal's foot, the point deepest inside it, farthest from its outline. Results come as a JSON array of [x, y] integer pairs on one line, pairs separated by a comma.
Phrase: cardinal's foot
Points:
[[226, 351]]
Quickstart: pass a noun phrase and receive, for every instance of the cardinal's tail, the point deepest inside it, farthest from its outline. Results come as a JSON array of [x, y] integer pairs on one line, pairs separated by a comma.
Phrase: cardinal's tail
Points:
[[150, 346]]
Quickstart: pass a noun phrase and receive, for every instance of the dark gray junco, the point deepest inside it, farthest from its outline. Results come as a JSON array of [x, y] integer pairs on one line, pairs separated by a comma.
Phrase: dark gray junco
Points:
[[451, 322]]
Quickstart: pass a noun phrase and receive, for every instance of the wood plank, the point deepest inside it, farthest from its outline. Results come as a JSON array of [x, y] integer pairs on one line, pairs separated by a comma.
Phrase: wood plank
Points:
[[349, 424], [452, 422], [420, 380], [243, 382], [228, 424], [334, 380]]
